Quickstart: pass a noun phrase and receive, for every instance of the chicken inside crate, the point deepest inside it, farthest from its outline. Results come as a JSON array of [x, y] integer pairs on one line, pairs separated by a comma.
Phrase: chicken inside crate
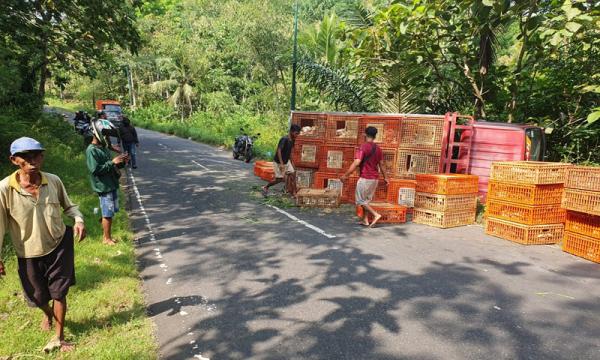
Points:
[[342, 129], [312, 126]]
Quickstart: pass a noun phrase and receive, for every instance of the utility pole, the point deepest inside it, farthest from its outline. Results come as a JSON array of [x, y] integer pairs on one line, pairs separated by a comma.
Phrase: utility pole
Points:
[[295, 60]]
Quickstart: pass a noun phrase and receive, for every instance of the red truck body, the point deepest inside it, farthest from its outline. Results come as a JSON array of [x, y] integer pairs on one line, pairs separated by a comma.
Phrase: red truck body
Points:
[[492, 141]]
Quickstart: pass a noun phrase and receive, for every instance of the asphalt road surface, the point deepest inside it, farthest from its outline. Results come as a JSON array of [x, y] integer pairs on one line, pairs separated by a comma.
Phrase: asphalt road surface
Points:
[[228, 277]]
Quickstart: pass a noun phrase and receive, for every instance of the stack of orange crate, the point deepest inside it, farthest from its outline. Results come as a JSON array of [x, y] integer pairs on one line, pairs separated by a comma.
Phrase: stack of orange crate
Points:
[[582, 201], [523, 202], [420, 146], [308, 147], [264, 170], [445, 200]]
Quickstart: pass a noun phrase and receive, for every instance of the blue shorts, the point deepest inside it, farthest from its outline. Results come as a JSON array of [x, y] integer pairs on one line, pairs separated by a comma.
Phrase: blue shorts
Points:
[[109, 203]]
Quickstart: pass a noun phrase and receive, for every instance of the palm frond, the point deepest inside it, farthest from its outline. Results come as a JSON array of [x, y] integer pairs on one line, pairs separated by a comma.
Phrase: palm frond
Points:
[[338, 87], [163, 85]]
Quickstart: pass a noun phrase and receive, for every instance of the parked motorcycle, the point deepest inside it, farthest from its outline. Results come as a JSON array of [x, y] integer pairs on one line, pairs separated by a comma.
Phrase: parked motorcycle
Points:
[[243, 146]]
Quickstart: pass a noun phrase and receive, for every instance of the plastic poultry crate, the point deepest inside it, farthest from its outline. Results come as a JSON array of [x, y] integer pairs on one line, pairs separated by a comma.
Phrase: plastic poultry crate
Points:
[[442, 219], [412, 162], [388, 129], [447, 184], [304, 178], [342, 129], [525, 193], [312, 125], [306, 154], [582, 201], [336, 159], [583, 178], [582, 246], [524, 234], [322, 198], [584, 224], [390, 213], [422, 133], [529, 172], [323, 180], [446, 203], [526, 214]]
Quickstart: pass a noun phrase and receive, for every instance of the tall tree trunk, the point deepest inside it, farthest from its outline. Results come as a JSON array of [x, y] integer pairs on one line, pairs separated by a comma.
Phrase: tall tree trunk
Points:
[[524, 25]]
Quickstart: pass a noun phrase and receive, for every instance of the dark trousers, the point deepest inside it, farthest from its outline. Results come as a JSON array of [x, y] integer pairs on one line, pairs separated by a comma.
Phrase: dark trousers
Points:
[[130, 148]]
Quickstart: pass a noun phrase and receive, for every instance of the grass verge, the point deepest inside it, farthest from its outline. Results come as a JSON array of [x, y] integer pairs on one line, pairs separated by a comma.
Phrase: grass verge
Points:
[[106, 317]]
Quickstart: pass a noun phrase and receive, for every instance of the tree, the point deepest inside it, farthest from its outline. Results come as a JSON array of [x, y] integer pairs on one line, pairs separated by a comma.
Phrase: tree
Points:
[[63, 35]]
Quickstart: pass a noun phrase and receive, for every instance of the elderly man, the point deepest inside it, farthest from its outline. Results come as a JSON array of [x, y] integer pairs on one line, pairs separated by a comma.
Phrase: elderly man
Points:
[[30, 209]]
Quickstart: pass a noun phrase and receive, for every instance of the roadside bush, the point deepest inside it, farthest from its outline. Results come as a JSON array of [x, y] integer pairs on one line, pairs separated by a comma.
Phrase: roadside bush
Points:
[[216, 129]]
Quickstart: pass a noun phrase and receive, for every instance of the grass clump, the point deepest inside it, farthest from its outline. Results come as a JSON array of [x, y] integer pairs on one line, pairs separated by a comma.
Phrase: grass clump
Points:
[[106, 317]]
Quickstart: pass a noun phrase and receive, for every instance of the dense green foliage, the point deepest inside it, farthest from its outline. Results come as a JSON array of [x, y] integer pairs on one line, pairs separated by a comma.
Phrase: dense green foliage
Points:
[[40, 40], [533, 61]]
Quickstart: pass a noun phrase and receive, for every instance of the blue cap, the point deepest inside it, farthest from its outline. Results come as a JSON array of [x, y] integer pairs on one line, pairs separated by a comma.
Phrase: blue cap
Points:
[[25, 144]]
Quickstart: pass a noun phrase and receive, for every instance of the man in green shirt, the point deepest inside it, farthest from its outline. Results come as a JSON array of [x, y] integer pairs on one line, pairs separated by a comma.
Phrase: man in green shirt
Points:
[[105, 173], [30, 210]]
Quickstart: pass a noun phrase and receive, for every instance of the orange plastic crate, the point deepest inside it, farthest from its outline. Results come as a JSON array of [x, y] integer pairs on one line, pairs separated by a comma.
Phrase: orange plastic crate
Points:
[[582, 201], [529, 172], [425, 133], [446, 203], [525, 193], [447, 184], [526, 214], [324, 180], [304, 178], [260, 166], [442, 219], [390, 213], [267, 174], [388, 129], [306, 153], [412, 162], [336, 159], [583, 178], [342, 129], [584, 224], [524, 234], [401, 192], [312, 125], [389, 161], [582, 246]]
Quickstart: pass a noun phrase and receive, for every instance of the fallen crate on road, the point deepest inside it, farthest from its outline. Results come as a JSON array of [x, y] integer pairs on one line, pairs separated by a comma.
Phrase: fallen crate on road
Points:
[[583, 246], [321, 198], [390, 213], [443, 219], [524, 234]]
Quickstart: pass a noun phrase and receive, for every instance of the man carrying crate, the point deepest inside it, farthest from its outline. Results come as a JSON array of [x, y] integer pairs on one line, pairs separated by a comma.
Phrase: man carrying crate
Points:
[[282, 164], [368, 159]]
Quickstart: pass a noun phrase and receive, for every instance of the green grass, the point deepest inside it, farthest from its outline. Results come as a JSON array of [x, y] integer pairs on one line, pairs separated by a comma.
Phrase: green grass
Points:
[[106, 317], [69, 105]]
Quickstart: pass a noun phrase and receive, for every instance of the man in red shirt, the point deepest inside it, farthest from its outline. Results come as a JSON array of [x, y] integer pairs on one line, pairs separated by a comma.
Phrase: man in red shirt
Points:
[[368, 159]]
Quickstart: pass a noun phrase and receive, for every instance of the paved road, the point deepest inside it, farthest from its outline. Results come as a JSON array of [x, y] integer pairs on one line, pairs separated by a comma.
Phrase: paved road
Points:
[[227, 277]]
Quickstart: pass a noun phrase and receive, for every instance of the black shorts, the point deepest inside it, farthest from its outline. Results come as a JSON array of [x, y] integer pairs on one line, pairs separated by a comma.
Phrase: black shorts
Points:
[[49, 277]]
